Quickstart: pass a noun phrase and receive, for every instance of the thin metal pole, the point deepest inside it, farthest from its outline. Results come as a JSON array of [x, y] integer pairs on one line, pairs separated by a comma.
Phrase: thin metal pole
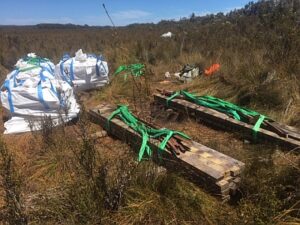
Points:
[[108, 15]]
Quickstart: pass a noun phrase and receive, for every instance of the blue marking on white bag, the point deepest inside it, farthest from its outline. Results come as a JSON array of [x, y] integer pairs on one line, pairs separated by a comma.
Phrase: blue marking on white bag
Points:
[[7, 86], [72, 70], [64, 76], [97, 67], [40, 95]]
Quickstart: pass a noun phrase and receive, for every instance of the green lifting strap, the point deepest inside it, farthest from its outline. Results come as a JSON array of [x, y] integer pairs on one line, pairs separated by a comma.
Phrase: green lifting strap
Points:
[[136, 70], [29, 68], [238, 113], [35, 62], [145, 131]]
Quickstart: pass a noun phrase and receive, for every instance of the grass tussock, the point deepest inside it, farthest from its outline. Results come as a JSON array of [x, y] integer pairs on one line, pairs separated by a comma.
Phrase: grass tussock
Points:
[[13, 211]]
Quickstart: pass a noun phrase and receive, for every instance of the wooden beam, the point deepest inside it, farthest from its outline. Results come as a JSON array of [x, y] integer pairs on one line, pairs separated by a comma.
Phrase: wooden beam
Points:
[[221, 120], [218, 173]]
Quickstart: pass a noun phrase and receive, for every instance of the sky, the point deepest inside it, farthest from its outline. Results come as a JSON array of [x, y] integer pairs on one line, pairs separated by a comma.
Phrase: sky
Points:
[[122, 12]]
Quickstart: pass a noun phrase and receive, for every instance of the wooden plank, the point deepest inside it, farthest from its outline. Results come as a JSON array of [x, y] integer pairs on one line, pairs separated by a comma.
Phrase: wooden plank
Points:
[[217, 119], [288, 131], [202, 165]]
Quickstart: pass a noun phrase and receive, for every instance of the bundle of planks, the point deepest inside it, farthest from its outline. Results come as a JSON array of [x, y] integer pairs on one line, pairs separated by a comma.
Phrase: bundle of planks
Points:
[[218, 173], [272, 131]]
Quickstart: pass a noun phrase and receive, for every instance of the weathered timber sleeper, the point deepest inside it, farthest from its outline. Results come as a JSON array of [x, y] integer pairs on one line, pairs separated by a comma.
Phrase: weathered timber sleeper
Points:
[[270, 131], [218, 173]]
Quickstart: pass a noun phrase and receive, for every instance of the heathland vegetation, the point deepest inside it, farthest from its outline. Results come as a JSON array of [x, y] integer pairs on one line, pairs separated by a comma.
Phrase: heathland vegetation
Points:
[[65, 176]]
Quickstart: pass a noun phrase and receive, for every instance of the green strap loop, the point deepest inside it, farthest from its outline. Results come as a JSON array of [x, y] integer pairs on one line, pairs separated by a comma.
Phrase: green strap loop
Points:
[[136, 70], [144, 146], [111, 117], [28, 69], [35, 62], [258, 123], [145, 131], [177, 93], [165, 141]]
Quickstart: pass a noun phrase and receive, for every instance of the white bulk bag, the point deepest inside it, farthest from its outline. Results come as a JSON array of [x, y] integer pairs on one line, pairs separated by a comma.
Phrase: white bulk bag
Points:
[[83, 71], [167, 35], [31, 93]]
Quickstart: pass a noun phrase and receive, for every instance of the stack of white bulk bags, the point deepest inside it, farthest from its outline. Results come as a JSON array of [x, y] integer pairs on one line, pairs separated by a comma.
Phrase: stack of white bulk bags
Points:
[[83, 72], [31, 92]]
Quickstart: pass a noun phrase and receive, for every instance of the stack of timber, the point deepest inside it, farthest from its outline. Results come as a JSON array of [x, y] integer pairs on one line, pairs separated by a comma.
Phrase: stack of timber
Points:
[[218, 173], [271, 131]]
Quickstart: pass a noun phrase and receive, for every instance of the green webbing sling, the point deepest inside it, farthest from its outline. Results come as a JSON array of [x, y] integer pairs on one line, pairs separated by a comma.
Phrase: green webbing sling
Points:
[[35, 62], [145, 131], [29, 68], [238, 113], [136, 70]]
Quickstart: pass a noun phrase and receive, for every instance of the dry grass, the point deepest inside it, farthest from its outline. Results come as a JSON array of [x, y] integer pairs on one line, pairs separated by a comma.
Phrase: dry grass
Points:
[[64, 176]]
